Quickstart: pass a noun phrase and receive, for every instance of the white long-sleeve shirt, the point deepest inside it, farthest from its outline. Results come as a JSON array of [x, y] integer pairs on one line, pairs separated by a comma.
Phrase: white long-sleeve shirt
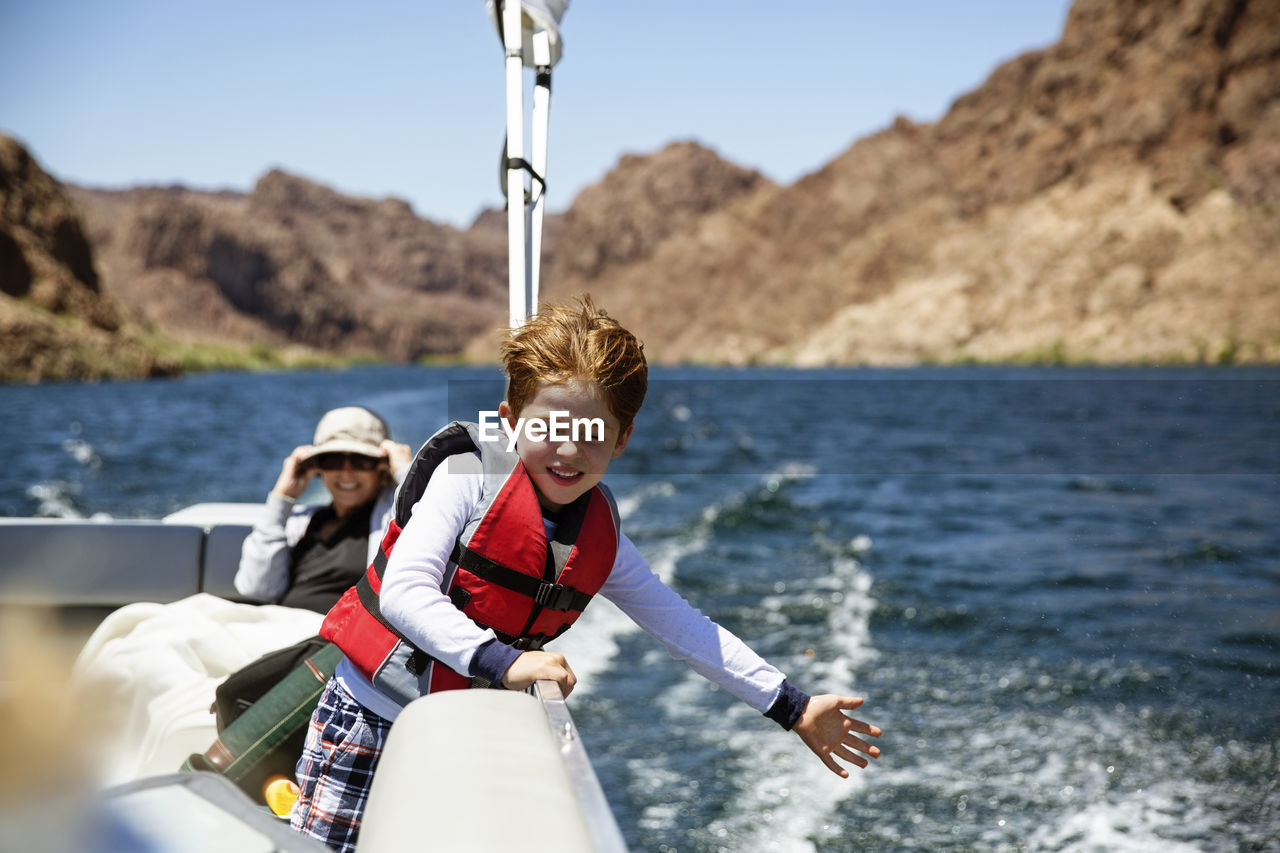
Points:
[[413, 600], [266, 556]]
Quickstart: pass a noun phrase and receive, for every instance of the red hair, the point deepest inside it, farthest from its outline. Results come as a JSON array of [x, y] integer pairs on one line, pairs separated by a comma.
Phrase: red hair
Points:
[[576, 340]]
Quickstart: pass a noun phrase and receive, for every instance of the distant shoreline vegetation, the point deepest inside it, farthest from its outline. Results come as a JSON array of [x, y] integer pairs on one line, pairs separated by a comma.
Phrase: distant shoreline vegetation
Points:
[[176, 358], [1198, 353], [198, 357]]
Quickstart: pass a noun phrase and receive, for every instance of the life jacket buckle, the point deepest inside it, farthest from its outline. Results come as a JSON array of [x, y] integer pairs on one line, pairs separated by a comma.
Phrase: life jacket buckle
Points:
[[554, 596], [532, 642]]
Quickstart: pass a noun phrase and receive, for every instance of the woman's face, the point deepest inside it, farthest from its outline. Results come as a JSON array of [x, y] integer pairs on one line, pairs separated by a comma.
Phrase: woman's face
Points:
[[349, 487]]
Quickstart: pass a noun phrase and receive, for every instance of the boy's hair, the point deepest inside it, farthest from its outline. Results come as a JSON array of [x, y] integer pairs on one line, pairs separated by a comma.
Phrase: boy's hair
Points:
[[563, 342]]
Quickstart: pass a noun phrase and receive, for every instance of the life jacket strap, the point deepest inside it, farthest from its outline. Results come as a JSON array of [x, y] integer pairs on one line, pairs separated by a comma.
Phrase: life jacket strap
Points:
[[552, 596], [529, 642]]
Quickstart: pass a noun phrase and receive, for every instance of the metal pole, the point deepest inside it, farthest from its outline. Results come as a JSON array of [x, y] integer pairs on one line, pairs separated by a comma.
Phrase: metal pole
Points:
[[517, 248]]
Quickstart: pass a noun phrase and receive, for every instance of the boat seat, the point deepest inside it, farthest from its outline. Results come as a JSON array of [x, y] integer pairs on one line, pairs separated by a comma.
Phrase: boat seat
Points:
[[222, 559], [72, 562]]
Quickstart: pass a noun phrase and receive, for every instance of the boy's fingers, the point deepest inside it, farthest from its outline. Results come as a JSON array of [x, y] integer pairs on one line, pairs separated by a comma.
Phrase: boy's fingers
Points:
[[865, 728], [849, 755], [569, 681], [848, 703], [862, 746], [563, 673], [833, 766]]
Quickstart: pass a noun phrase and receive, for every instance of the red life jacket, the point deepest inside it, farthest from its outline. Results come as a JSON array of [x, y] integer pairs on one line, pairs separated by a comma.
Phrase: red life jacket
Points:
[[503, 572]]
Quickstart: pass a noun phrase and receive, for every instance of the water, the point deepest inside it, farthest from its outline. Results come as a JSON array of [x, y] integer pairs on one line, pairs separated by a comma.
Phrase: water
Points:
[[1058, 590]]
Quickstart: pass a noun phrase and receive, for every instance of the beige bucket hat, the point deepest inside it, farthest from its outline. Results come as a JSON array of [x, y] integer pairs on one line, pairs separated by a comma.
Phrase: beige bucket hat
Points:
[[351, 429]]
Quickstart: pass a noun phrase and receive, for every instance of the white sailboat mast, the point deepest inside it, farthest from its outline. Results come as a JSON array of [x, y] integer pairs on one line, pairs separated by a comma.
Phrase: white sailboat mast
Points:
[[531, 39]]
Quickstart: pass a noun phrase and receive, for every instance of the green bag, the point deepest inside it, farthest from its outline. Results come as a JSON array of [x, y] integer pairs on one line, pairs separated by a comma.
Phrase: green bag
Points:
[[266, 738]]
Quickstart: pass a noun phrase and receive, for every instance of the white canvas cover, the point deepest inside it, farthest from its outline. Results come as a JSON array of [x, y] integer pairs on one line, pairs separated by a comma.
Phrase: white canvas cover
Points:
[[154, 668], [536, 15]]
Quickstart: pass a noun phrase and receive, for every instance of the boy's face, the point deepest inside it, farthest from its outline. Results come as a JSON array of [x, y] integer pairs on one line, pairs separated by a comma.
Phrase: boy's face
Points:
[[563, 471]]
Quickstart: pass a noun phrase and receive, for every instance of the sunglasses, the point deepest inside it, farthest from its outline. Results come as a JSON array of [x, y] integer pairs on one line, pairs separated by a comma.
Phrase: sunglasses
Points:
[[336, 461]]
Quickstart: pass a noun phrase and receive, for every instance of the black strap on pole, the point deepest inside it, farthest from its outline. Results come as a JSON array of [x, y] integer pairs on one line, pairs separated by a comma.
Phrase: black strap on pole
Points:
[[521, 163], [506, 164]]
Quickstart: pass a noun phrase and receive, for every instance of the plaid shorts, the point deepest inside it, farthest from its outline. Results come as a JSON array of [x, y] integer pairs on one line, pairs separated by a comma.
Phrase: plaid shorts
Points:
[[344, 742]]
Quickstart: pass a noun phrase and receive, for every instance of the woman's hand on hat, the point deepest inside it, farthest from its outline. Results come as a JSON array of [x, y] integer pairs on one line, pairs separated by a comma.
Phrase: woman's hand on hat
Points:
[[398, 455], [294, 474]]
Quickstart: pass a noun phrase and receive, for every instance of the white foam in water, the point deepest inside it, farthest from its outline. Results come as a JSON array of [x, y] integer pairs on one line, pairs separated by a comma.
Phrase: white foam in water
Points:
[[849, 622], [1126, 826], [791, 795], [56, 498], [1084, 781], [790, 472], [53, 499], [794, 794], [628, 504], [593, 643], [83, 452]]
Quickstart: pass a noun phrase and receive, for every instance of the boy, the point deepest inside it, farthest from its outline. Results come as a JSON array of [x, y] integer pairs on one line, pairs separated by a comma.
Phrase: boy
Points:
[[495, 551]]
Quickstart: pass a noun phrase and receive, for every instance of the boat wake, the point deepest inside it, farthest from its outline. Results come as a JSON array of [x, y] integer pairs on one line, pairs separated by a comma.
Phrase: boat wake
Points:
[[812, 620]]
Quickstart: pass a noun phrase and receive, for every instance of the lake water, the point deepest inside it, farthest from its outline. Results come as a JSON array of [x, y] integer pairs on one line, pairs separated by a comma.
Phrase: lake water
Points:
[[1059, 590]]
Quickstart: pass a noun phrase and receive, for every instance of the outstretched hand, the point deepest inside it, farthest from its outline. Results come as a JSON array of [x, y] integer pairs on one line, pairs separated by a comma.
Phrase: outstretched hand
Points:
[[831, 734]]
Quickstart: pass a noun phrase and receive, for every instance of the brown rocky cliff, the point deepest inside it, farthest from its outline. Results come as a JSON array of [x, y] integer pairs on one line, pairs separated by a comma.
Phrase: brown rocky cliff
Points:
[[641, 202], [44, 255], [55, 322], [1109, 198], [620, 221], [294, 261]]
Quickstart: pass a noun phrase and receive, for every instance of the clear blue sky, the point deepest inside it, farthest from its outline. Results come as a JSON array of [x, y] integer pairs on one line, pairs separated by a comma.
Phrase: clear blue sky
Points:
[[406, 98]]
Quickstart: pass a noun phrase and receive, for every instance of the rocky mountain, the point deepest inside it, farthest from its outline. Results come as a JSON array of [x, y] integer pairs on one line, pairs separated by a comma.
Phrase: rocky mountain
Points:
[[641, 203], [621, 221], [294, 261], [1112, 198], [55, 320]]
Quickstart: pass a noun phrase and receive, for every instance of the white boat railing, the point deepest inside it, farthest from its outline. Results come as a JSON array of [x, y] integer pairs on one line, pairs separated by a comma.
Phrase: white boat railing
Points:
[[487, 771], [603, 828]]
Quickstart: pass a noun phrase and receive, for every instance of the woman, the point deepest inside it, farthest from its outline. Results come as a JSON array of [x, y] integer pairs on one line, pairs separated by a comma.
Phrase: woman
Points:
[[168, 660], [307, 556]]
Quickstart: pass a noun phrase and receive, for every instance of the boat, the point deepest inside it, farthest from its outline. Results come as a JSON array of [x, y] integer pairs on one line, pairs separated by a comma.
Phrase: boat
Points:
[[476, 739], [481, 744]]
